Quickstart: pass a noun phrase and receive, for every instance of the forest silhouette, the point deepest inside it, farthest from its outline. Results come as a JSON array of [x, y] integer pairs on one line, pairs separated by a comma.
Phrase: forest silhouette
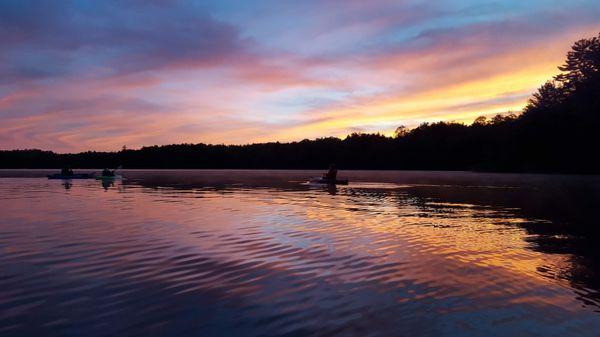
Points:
[[556, 132]]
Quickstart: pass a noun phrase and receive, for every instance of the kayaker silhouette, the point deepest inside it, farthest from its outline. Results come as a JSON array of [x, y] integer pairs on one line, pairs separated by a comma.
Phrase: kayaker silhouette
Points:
[[331, 174], [329, 178], [107, 173], [66, 171]]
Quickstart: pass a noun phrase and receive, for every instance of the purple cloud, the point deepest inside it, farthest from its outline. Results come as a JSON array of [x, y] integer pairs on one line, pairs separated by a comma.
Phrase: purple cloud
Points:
[[46, 39]]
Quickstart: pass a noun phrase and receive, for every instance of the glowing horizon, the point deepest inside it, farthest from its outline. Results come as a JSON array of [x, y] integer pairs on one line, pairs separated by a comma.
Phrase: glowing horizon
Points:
[[89, 75]]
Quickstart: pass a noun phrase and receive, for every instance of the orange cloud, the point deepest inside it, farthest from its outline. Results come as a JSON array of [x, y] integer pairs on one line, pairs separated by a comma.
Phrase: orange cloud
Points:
[[485, 86]]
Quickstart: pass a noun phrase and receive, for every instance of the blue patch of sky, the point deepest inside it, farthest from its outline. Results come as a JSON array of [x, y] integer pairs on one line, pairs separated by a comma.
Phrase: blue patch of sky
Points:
[[289, 25], [288, 106]]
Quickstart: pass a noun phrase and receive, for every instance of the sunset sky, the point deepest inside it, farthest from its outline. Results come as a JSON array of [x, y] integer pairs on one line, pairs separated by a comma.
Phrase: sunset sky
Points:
[[81, 75]]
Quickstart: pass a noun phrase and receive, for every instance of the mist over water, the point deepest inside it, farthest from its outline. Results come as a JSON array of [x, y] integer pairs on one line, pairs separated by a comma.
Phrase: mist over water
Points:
[[261, 253]]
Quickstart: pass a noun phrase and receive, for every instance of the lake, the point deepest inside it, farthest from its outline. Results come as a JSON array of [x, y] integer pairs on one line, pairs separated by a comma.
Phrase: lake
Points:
[[262, 253]]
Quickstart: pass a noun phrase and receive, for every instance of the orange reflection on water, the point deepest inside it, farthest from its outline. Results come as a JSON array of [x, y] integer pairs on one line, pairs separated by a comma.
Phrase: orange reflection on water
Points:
[[302, 253]]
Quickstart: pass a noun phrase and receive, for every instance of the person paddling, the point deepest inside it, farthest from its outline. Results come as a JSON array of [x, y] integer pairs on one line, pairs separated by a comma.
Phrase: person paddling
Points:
[[329, 178], [331, 174], [66, 171], [107, 173]]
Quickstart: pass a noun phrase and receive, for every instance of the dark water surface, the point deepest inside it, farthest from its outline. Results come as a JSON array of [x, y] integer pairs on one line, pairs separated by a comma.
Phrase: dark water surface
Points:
[[259, 253]]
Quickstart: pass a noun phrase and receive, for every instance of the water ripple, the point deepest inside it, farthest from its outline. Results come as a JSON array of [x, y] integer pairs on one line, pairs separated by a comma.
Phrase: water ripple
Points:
[[366, 260]]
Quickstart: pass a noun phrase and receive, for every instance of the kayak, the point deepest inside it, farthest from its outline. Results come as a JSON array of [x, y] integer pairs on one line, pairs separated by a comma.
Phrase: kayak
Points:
[[71, 176], [328, 181], [115, 177]]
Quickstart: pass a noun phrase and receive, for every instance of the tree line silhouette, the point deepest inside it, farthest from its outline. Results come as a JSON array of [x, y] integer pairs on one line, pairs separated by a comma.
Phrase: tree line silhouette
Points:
[[556, 132]]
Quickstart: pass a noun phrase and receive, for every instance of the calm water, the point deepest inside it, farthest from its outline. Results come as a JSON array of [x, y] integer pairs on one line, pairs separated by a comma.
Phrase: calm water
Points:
[[242, 253]]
